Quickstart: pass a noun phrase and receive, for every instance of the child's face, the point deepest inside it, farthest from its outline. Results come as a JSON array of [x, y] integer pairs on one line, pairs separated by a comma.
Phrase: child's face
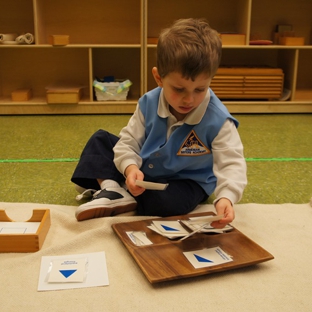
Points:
[[183, 95]]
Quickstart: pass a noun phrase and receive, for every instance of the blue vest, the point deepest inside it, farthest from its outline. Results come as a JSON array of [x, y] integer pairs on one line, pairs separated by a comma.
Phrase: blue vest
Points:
[[187, 152]]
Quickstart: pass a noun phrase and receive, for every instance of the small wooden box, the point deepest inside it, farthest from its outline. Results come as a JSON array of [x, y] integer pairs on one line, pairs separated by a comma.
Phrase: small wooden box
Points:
[[21, 95], [59, 40], [291, 41], [26, 242], [64, 95], [233, 39]]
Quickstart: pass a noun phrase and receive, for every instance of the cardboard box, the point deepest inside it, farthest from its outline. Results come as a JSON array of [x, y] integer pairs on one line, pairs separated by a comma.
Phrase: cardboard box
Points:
[[63, 95], [291, 41], [26, 242], [233, 39], [21, 95], [59, 40]]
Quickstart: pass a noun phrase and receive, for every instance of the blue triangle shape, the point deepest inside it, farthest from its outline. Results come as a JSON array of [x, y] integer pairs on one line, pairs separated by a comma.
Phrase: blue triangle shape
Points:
[[67, 273], [201, 259], [168, 228]]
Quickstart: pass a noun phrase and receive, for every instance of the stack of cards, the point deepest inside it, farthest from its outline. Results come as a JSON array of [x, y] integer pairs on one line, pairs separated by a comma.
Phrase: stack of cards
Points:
[[196, 222], [169, 229], [181, 228]]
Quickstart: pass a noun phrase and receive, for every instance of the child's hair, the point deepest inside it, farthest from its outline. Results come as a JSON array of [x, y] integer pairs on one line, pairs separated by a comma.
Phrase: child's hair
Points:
[[190, 47]]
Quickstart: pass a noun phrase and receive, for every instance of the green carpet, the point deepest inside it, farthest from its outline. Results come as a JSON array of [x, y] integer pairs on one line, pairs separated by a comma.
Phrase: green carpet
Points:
[[39, 153]]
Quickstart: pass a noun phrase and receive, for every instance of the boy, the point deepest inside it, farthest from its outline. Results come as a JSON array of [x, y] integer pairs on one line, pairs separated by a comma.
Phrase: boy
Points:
[[180, 134]]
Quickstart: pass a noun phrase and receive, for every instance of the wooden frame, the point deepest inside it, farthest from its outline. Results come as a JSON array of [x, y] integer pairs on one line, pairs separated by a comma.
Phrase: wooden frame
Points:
[[26, 242]]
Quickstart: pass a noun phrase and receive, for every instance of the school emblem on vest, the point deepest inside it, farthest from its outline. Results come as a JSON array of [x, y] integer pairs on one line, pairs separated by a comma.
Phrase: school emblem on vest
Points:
[[193, 146]]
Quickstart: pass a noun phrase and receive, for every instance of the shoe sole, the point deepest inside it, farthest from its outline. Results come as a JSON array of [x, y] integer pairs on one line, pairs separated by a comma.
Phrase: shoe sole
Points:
[[99, 212]]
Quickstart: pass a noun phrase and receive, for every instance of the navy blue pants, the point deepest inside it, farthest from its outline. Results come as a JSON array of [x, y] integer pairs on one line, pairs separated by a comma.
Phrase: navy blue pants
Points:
[[96, 162]]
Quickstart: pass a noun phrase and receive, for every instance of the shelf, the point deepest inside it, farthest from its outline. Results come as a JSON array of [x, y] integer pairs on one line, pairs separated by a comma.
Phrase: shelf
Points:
[[90, 22], [247, 17], [269, 107], [38, 107], [109, 38], [73, 46]]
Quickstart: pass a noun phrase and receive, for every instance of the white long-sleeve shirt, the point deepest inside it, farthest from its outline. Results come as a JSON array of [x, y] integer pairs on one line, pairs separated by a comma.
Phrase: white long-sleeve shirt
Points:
[[229, 166]]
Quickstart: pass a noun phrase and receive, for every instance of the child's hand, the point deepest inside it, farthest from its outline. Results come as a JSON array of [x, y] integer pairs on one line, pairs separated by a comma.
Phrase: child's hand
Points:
[[133, 173], [224, 206]]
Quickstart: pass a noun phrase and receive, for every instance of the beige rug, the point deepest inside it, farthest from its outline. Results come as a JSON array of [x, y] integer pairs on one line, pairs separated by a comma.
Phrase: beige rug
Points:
[[282, 284]]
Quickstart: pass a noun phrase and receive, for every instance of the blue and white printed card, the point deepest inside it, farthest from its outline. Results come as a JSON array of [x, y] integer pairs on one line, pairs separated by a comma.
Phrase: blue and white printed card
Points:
[[207, 257]]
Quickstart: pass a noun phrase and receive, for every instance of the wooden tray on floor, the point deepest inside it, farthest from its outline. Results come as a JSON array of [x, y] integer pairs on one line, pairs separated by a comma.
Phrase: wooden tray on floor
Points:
[[164, 259]]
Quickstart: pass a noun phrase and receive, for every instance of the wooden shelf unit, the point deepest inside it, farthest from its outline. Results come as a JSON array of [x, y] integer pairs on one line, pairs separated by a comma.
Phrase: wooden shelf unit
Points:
[[110, 38]]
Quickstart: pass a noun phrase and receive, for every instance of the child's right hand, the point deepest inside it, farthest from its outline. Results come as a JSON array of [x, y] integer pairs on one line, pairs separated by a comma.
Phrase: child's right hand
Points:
[[133, 173]]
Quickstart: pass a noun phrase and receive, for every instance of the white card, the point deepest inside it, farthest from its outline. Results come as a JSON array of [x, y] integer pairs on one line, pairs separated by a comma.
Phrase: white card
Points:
[[170, 227], [68, 270], [196, 222], [206, 219], [139, 238], [168, 235], [19, 227], [96, 272], [207, 257], [152, 185]]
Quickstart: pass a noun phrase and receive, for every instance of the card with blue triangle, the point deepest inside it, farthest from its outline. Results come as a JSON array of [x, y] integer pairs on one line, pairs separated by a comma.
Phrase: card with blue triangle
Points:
[[170, 227], [73, 271], [207, 257], [68, 270]]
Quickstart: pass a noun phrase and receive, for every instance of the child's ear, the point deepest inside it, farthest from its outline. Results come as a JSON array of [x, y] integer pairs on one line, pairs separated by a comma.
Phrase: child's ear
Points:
[[157, 76]]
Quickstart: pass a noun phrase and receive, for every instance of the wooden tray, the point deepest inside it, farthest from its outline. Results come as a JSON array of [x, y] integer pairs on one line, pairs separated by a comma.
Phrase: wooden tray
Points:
[[26, 242], [248, 83], [165, 261]]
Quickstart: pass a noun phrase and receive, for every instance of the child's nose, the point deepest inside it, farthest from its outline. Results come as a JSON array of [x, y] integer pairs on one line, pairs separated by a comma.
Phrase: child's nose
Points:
[[188, 98]]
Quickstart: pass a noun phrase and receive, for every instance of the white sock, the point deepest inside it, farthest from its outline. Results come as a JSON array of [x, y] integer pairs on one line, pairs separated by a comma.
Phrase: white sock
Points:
[[109, 184]]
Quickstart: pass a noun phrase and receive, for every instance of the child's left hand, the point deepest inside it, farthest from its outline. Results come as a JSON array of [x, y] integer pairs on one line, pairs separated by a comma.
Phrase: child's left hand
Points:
[[224, 207]]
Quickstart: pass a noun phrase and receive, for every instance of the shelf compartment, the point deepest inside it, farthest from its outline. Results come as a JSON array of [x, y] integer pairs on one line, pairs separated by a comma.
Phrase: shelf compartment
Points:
[[304, 83], [90, 22], [234, 18], [37, 68], [16, 16], [120, 63], [273, 57], [266, 14]]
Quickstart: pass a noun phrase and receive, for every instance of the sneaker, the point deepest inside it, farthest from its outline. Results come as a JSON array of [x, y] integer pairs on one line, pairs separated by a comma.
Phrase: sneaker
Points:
[[106, 202], [84, 193]]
